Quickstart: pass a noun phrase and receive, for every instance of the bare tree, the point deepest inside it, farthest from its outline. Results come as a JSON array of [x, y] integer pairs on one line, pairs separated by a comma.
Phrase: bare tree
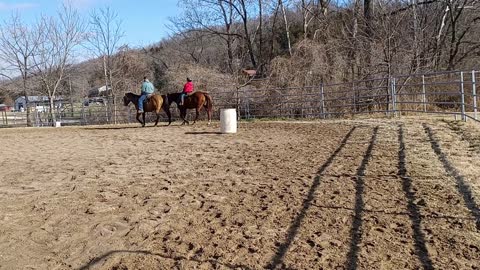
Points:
[[227, 15], [260, 33], [211, 19], [460, 26], [105, 36], [308, 14], [242, 8], [369, 30], [18, 45], [59, 37], [287, 28]]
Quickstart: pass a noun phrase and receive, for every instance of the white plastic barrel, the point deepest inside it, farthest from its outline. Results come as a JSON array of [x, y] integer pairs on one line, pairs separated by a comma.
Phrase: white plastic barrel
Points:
[[228, 121], [58, 124]]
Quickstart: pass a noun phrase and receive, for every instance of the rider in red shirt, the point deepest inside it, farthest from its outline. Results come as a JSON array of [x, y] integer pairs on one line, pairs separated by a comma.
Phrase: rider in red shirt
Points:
[[187, 89]]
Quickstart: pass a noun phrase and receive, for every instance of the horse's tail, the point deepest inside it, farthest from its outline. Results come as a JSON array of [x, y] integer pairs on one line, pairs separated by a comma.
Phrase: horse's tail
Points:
[[165, 101], [208, 102], [166, 108], [209, 106]]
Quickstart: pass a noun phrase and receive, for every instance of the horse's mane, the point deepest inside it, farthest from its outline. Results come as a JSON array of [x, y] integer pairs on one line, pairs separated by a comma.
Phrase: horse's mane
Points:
[[174, 94], [131, 94]]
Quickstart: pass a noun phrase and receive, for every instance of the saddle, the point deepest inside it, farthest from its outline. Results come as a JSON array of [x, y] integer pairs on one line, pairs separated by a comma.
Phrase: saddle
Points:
[[187, 96], [149, 96]]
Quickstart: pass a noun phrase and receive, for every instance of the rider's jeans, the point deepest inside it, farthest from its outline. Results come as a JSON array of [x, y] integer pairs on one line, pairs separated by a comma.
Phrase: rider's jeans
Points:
[[142, 98]]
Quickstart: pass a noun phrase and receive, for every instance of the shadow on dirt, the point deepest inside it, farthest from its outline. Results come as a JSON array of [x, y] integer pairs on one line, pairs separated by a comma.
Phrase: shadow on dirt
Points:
[[356, 232], [414, 211], [100, 258], [295, 226], [462, 187]]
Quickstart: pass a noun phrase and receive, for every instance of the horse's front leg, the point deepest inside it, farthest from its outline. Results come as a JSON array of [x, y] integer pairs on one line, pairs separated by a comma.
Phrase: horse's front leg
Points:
[[184, 117], [138, 118], [143, 117], [167, 111]]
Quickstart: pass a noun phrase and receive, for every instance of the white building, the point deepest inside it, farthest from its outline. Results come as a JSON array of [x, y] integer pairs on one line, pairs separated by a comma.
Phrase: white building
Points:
[[40, 103], [102, 91]]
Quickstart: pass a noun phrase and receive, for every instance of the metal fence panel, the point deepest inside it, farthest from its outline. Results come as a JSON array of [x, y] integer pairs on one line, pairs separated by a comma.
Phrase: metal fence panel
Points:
[[448, 93]]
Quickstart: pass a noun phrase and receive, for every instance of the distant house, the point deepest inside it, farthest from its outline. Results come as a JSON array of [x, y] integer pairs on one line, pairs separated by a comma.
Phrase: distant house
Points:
[[98, 95], [40, 103], [102, 91], [5, 108]]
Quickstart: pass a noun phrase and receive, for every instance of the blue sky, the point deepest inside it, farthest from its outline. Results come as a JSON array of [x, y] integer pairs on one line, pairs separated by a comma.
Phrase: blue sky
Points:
[[143, 21]]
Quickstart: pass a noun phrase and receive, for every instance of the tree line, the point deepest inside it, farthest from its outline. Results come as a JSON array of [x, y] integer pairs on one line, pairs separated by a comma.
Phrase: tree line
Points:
[[287, 42]]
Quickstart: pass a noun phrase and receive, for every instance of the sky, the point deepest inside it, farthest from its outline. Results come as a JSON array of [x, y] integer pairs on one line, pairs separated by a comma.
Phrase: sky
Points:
[[143, 21]]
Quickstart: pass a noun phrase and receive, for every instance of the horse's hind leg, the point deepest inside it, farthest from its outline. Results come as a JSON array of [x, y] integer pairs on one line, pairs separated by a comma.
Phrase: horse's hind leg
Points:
[[183, 115], [158, 117], [209, 116], [197, 112], [209, 113]]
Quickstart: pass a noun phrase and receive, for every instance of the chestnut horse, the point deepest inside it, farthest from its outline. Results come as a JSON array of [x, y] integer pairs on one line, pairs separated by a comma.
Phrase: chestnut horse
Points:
[[197, 101], [154, 103]]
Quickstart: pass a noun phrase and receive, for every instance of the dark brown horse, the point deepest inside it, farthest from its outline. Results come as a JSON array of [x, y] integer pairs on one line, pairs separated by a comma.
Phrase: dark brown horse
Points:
[[154, 103], [197, 101]]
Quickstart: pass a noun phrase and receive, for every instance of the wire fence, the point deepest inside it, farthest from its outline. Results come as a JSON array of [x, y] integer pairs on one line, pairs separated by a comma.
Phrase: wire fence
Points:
[[435, 93], [447, 93]]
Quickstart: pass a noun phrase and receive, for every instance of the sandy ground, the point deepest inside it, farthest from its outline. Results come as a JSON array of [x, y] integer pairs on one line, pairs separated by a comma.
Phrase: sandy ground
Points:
[[366, 194]]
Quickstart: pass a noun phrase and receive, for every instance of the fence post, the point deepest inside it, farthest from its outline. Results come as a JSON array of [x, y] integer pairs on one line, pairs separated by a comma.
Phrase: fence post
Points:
[[395, 96], [322, 104], [474, 92], [237, 103], [84, 121], [424, 94], [354, 103], [462, 92], [392, 96], [247, 108]]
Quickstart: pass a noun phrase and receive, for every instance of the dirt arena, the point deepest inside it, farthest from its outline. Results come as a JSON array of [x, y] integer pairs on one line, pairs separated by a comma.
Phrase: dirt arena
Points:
[[353, 194]]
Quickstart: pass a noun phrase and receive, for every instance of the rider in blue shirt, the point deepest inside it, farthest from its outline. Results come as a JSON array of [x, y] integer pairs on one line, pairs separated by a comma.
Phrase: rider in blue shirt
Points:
[[147, 89]]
